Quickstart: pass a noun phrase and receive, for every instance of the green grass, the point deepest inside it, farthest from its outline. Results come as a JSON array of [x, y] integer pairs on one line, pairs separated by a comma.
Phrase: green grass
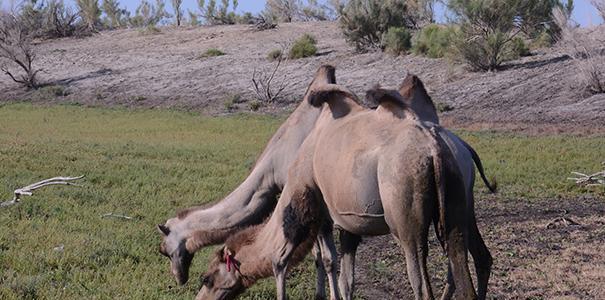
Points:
[[212, 52], [147, 164]]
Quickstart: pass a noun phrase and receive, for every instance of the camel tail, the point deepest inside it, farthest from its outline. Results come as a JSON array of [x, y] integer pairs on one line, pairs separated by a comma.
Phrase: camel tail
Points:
[[439, 172], [493, 188]]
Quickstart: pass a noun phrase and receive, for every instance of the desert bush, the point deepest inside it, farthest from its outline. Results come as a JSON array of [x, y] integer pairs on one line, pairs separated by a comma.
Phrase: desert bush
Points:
[[397, 40], [178, 11], [303, 47], [115, 17], [218, 15], [16, 50], [544, 40], [212, 52], [586, 51], [266, 84], [486, 29], [434, 40], [275, 55], [90, 13], [365, 22], [282, 10], [149, 15], [51, 19], [600, 6]]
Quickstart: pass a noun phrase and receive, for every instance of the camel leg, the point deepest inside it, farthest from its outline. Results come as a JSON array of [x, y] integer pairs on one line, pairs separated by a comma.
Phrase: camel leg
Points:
[[280, 267], [348, 248], [415, 248], [482, 258], [329, 258], [320, 284]]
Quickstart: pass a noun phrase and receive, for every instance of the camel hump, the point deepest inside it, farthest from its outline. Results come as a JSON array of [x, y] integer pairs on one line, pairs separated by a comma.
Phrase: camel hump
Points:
[[329, 92], [382, 96], [410, 84]]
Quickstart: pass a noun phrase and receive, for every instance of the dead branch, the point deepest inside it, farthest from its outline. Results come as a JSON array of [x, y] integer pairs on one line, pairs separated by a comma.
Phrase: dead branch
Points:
[[562, 221], [28, 190], [263, 83], [588, 180], [112, 215]]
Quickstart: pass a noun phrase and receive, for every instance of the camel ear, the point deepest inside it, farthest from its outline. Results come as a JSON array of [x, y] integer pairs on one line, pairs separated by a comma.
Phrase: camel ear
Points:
[[329, 92], [162, 229]]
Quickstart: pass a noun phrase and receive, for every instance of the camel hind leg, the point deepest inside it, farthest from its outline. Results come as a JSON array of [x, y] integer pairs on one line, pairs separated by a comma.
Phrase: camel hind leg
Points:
[[409, 221]]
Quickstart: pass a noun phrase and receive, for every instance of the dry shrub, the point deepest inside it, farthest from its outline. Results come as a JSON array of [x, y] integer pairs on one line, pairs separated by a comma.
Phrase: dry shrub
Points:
[[16, 49], [600, 5], [585, 48]]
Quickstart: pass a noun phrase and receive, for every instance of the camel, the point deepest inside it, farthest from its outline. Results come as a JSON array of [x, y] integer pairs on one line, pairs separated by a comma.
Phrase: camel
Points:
[[393, 175], [253, 200]]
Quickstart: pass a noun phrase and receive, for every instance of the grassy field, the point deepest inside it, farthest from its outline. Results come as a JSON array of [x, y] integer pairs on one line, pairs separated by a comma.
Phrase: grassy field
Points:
[[148, 164]]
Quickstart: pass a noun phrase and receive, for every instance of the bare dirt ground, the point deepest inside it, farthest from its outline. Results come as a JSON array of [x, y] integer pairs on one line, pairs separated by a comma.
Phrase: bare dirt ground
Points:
[[126, 68], [532, 260]]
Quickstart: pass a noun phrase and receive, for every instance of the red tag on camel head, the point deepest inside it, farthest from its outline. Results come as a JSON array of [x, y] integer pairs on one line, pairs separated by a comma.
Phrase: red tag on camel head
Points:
[[230, 261]]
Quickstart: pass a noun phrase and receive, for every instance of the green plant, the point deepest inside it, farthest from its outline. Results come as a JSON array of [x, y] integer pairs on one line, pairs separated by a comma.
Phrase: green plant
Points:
[[518, 48], [434, 40], [212, 52], [255, 105], [305, 46], [397, 40], [444, 107], [149, 30], [543, 40], [275, 55], [229, 104], [52, 91]]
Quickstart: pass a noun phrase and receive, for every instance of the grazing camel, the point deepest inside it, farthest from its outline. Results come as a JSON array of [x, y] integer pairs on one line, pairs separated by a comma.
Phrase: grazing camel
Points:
[[378, 172], [418, 100], [253, 200]]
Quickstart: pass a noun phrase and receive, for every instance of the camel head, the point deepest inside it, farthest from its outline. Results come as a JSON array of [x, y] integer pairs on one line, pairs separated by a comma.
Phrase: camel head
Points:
[[417, 98], [223, 279], [175, 248]]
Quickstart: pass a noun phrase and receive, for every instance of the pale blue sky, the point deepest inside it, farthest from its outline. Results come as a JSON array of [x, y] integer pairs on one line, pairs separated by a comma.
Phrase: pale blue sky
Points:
[[584, 13]]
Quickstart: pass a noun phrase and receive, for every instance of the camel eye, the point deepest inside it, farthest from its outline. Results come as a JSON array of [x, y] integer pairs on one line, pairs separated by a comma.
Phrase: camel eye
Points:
[[207, 281]]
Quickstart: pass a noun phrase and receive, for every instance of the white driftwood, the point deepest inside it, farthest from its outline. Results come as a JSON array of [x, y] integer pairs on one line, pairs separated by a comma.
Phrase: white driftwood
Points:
[[588, 180], [28, 190], [107, 215]]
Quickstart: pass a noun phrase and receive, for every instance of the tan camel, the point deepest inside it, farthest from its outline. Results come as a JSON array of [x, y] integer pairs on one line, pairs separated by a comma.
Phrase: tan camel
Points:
[[252, 201], [378, 172], [418, 100]]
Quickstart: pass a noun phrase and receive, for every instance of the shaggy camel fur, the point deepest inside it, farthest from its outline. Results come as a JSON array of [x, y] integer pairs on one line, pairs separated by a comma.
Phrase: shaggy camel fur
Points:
[[394, 175], [252, 201]]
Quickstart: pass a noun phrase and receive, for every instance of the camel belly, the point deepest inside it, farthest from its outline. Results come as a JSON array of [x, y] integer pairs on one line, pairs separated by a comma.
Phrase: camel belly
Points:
[[360, 224]]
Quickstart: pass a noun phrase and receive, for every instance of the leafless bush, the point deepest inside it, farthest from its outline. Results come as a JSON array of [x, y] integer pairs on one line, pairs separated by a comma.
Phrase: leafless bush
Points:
[[266, 84], [51, 19], [16, 49], [600, 5], [586, 51]]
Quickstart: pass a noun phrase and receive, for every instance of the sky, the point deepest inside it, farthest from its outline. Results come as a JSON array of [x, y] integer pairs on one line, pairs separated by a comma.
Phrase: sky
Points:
[[584, 13]]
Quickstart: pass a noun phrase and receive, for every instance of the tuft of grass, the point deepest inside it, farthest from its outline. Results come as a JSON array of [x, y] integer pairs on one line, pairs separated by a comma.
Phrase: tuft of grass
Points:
[[444, 107], [51, 91], [149, 30], [275, 54], [255, 105], [212, 52], [305, 46]]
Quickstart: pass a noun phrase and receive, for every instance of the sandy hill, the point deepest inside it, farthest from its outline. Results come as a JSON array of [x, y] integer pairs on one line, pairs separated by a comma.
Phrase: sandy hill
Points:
[[124, 67]]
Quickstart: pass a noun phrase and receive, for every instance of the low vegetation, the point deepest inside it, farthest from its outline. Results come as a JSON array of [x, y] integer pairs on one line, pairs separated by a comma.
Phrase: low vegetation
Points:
[[275, 54], [434, 40], [212, 52], [305, 46], [147, 165], [16, 51]]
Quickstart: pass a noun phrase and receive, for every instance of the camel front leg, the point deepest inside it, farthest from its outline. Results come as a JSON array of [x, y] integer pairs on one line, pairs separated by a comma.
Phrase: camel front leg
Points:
[[280, 267], [329, 258], [348, 247], [320, 284]]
